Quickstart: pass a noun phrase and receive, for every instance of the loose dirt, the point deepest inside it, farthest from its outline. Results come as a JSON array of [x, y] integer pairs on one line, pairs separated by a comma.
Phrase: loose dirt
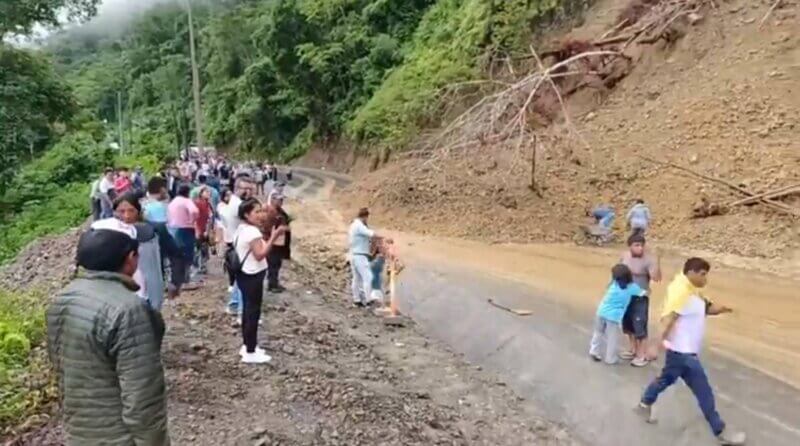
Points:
[[721, 100]]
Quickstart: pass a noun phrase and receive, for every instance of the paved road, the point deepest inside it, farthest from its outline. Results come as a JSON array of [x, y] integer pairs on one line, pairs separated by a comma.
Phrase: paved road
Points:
[[543, 357]]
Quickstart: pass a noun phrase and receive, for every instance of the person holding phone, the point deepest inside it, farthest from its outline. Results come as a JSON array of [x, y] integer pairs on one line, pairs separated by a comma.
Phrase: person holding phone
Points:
[[252, 250]]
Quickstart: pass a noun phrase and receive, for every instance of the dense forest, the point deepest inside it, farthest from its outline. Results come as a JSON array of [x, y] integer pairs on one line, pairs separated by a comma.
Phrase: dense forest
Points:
[[278, 75]]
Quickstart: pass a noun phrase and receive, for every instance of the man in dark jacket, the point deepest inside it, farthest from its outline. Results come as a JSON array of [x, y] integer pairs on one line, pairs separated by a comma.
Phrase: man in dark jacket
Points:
[[105, 344]]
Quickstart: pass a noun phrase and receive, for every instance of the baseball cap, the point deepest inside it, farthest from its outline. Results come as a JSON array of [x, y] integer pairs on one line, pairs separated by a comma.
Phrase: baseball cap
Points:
[[104, 249]]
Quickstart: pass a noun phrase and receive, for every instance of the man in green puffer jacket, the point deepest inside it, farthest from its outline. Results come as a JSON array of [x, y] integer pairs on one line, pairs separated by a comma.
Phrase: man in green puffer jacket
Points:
[[105, 344]]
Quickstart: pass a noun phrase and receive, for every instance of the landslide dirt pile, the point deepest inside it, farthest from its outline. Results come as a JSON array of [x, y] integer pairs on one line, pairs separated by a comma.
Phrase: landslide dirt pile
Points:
[[715, 97], [45, 264]]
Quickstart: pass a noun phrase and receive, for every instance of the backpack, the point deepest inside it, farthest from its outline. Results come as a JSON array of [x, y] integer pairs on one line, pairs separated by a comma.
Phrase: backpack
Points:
[[232, 263]]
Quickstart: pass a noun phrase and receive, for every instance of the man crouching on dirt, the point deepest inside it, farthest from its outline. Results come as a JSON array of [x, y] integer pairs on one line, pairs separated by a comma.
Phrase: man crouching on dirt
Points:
[[360, 255], [105, 343]]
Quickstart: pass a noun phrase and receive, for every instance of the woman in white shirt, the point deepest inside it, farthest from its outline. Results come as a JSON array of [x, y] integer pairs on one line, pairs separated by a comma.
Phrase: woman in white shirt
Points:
[[252, 250]]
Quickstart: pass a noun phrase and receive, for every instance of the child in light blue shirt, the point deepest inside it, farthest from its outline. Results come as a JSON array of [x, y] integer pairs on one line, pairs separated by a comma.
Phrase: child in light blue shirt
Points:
[[608, 323]]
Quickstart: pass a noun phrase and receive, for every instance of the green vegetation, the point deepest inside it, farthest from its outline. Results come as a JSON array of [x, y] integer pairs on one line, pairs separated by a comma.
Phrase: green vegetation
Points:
[[33, 102], [53, 142], [283, 74], [19, 16], [25, 384], [452, 40], [280, 75]]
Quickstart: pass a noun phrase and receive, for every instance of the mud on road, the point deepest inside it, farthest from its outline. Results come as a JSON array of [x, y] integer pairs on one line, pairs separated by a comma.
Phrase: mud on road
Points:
[[339, 376]]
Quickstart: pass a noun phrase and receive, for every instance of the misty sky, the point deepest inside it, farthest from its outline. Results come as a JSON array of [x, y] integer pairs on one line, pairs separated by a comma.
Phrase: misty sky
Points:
[[117, 8], [112, 16]]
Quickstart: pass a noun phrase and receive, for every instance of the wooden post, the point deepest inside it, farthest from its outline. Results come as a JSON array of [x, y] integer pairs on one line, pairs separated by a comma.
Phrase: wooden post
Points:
[[533, 165], [533, 186], [198, 111], [119, 123], [393, 311]]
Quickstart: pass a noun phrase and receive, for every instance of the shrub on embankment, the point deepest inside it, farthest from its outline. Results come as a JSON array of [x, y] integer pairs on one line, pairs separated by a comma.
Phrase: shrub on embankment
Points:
[[50, 194], [455, 42], [26, 384]]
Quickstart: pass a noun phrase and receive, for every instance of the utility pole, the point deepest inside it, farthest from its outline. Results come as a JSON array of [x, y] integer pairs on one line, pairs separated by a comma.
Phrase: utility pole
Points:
[[198, 112], [129, 121], [119, 123]]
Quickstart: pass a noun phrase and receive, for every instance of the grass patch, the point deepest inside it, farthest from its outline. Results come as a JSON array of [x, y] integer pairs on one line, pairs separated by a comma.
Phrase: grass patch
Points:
[[65, 209], [26, 384]]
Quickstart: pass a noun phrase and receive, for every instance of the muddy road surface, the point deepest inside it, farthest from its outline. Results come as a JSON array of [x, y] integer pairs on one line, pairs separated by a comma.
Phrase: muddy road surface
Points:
[[752, 355]]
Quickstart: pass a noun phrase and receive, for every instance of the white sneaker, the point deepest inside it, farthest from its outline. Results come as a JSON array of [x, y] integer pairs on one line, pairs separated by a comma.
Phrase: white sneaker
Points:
[[727, 438], [243, 350], [256, 358]]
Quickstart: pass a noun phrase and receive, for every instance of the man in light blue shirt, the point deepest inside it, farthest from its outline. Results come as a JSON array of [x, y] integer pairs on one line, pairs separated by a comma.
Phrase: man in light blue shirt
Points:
[[360, 236], [639, 217]]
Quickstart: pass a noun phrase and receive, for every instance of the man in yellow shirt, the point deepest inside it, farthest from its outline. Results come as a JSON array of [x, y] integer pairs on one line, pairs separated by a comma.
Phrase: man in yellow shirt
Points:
[[684, 320]]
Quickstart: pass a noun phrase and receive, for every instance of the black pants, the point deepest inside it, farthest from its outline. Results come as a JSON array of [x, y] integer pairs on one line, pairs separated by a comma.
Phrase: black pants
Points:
[[274, 263], [231, 274], [97, 209], [252, 287], [178, 267]]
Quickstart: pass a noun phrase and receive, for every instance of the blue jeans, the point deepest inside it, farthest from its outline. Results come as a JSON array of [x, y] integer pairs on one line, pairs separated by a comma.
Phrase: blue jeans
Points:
[[688, 368], [235, 302], [604, 217]]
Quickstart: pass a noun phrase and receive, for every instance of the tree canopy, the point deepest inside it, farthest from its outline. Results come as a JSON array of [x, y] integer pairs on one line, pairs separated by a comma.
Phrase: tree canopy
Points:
[[33, 101], [20, 16], [279, 75]]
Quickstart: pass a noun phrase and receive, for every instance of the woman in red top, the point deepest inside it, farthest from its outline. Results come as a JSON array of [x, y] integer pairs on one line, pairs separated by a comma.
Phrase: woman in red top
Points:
[[122, 184], [201, 228]]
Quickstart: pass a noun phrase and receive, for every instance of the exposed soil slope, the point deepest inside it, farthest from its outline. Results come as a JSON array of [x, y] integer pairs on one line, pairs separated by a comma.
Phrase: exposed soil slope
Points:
[[722, 100]]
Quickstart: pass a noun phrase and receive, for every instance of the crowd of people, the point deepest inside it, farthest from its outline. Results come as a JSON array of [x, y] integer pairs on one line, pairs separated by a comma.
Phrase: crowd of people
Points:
[[624, 311], [149, 240]]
